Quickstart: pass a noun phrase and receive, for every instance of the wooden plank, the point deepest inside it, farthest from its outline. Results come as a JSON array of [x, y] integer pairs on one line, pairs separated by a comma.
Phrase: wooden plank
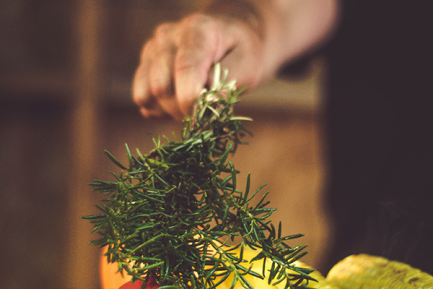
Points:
[[83, 258]]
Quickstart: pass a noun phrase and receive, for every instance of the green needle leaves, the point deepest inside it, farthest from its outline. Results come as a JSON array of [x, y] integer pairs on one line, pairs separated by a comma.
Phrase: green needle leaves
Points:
[[169, 213]]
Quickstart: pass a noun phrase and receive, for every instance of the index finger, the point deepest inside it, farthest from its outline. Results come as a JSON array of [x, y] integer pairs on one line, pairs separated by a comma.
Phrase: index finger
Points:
[[198, 48]]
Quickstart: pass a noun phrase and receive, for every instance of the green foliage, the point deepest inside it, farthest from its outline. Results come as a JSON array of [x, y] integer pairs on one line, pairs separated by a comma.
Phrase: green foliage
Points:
[[169, 211]]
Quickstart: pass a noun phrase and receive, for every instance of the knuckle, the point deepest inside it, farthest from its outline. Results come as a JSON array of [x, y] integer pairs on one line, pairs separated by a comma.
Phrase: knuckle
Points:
[[162, 33], [196, 20], [193, 20], [197, 29]]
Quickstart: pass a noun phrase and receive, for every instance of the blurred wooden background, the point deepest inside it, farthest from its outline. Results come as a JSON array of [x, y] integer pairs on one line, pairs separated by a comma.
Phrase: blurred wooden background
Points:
[[65, 75]]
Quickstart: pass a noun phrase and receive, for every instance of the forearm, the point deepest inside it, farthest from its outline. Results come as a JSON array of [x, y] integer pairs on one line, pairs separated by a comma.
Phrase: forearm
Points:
[[288, 28], [303, 25]]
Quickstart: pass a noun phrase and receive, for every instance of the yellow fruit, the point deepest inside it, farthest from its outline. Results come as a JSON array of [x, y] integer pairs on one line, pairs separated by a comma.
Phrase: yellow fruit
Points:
[[258, 283], [112, 280], [365, 271]]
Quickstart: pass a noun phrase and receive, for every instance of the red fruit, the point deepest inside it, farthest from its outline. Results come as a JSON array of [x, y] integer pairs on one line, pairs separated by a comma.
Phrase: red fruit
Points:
[[136, 285]]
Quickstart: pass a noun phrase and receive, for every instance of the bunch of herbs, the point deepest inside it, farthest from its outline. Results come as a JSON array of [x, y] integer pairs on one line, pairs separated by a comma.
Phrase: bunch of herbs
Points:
[[169, 213]]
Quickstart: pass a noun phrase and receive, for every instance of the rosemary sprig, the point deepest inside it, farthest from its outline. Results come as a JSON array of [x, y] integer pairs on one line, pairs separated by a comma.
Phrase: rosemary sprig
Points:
[[168, 211]]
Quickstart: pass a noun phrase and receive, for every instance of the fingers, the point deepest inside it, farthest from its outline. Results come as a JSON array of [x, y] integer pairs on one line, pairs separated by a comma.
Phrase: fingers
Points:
[[152, 84], [207, 41], [195, 56], [148, 105], [161, 84], [174, 68], [161, 70], [191, 75], [175, 64]]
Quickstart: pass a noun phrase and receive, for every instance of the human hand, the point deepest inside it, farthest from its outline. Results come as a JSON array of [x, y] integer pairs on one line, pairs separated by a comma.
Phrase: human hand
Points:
[[176, 63]]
